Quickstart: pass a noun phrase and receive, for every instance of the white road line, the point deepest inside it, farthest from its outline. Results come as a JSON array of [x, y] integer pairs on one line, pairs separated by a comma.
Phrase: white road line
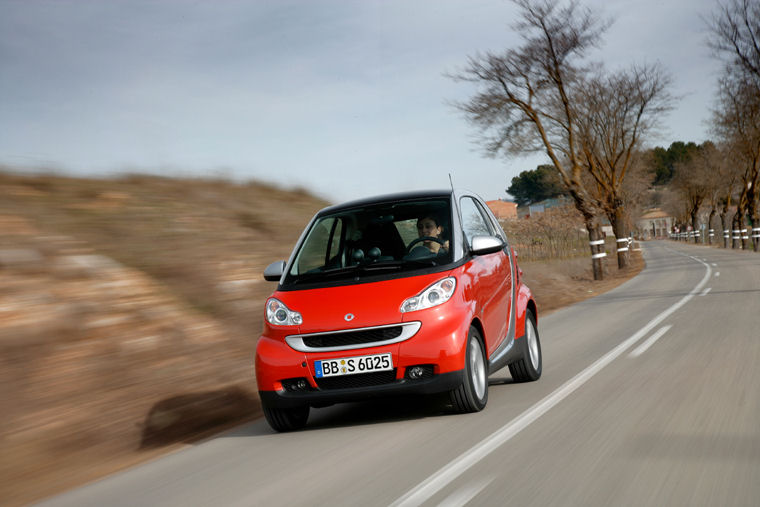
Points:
[[706, 291], [464, 495], [433, 484], [649, 342], [714, 265], [717, 273]]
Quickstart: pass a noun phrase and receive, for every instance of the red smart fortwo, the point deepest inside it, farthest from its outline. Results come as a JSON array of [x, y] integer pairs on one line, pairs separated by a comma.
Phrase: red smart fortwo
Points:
[[408, 293]]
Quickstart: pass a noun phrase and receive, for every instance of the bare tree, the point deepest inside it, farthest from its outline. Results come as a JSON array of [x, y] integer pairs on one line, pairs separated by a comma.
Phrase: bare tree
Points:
[[736, 120], [525, 98], [676, 206], [636, 190], [735, 37], [615, 112], [721, 185], [735, 34], [693, 179]]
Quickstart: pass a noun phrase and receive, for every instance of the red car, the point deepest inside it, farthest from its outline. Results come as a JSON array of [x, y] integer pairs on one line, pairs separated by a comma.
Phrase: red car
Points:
[[401, 294]]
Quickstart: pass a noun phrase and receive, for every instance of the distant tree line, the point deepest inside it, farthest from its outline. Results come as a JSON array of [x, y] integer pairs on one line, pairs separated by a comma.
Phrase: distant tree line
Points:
[[536, 185]]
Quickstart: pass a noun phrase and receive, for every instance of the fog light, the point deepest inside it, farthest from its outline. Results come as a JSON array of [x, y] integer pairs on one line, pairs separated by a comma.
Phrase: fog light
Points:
[[296, 384], [416, 372]]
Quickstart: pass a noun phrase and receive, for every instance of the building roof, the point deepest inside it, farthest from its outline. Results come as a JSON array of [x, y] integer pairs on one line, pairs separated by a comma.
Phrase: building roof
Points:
[[654, 213]]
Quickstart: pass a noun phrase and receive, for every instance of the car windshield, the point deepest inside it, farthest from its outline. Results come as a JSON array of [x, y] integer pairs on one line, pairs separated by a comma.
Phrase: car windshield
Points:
[[375, 239]]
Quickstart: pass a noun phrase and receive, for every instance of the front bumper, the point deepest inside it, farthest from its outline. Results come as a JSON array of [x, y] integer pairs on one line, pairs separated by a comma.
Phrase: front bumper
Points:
[[441, 382], [439, 344]]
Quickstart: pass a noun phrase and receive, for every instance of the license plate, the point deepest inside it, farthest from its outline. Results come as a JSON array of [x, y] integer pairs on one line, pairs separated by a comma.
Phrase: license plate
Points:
[[353, 365]]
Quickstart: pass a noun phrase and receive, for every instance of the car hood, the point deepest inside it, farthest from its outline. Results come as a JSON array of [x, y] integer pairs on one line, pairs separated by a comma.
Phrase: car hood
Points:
[[357, 305]]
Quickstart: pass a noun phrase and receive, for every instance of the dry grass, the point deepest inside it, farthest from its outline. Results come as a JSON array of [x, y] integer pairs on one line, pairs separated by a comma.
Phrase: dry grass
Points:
[[560, 283], [557, 233], [129, 312]]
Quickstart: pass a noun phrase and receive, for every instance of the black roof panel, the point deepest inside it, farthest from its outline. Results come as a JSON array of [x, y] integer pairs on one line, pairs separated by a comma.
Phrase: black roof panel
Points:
[[401, 196]]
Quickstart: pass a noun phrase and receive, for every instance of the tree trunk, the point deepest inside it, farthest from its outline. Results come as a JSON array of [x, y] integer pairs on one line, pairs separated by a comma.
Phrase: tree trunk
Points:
[[695, 227], [752, 214], [725, 229], [710, 230], [596, 242], [737, 241], [755, 229], [594, 233], [621, 237]]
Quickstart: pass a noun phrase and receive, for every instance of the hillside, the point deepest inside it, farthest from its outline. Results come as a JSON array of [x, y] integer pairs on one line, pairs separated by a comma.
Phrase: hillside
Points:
[[129, 312]]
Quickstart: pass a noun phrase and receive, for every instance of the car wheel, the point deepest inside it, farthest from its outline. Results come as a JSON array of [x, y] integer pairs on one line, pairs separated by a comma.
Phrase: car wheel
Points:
[[472, 394], [286, 419], [528, 367]]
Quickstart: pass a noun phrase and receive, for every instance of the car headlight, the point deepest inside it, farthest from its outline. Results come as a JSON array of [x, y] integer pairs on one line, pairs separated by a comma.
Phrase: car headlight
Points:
[[280, 315], [436, 294]]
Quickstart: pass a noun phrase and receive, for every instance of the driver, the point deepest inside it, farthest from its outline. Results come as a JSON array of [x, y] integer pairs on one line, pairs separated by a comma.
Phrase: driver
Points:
[[429, 226]]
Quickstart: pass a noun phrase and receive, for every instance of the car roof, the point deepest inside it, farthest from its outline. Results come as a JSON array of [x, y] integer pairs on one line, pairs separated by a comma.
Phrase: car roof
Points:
[[399, 196]]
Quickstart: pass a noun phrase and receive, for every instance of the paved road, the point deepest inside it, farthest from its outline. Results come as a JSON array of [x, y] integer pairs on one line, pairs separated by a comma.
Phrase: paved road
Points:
[[650, 396]]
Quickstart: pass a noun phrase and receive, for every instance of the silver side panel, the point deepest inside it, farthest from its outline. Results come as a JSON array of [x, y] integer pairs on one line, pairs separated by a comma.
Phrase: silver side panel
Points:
[[495, 361]]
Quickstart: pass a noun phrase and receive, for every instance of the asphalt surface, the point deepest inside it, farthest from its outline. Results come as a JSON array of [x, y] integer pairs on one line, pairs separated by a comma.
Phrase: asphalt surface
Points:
[[650, 395]]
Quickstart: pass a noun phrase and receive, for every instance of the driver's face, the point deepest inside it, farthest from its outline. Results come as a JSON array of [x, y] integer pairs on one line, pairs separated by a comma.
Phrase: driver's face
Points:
[[427, 227]]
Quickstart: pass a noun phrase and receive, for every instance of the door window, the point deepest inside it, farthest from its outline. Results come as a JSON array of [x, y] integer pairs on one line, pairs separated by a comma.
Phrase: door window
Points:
[[473, 221]]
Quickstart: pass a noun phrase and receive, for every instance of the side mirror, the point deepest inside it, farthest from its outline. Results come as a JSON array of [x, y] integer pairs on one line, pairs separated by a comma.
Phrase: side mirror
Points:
[[482, 245], [273, 272]]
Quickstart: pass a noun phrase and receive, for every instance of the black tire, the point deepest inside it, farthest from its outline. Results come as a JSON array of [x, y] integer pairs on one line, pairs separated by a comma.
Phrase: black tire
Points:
[[528, 367], [286, 419], [472, 394]]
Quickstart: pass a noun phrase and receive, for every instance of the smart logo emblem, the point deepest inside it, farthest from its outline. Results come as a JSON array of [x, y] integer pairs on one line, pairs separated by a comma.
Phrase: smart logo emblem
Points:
[[349, 317]]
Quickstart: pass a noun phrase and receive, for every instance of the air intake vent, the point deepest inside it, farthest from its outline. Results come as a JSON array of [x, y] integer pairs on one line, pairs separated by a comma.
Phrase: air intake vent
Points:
[[360, 380], [352, 337]]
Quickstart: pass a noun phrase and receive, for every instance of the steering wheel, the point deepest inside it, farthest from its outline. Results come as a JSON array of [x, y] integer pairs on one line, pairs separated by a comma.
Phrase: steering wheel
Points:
[[424, 238]]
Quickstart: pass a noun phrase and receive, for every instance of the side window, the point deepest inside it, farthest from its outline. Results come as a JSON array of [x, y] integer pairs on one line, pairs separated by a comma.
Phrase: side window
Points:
[[322, 243], [495, 225], [335, 235], [473, 221]]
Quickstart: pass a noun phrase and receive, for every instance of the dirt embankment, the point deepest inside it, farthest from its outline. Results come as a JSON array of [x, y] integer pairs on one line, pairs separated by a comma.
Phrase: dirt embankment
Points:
[[560, 283], [129, 311]]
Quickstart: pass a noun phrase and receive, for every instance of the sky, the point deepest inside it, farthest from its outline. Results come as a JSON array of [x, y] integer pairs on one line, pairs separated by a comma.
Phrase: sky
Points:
[[344, 98]]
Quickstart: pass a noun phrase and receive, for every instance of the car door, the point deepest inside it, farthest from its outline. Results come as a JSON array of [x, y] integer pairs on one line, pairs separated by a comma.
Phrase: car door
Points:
[[490, 275]]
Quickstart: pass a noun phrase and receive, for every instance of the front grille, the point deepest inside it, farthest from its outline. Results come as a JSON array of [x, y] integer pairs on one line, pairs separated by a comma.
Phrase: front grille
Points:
[[352, 337], [359, 380]]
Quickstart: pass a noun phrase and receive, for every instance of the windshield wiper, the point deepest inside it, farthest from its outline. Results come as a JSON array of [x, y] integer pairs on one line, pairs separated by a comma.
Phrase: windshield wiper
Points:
[[422, 262], [382, 266]]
